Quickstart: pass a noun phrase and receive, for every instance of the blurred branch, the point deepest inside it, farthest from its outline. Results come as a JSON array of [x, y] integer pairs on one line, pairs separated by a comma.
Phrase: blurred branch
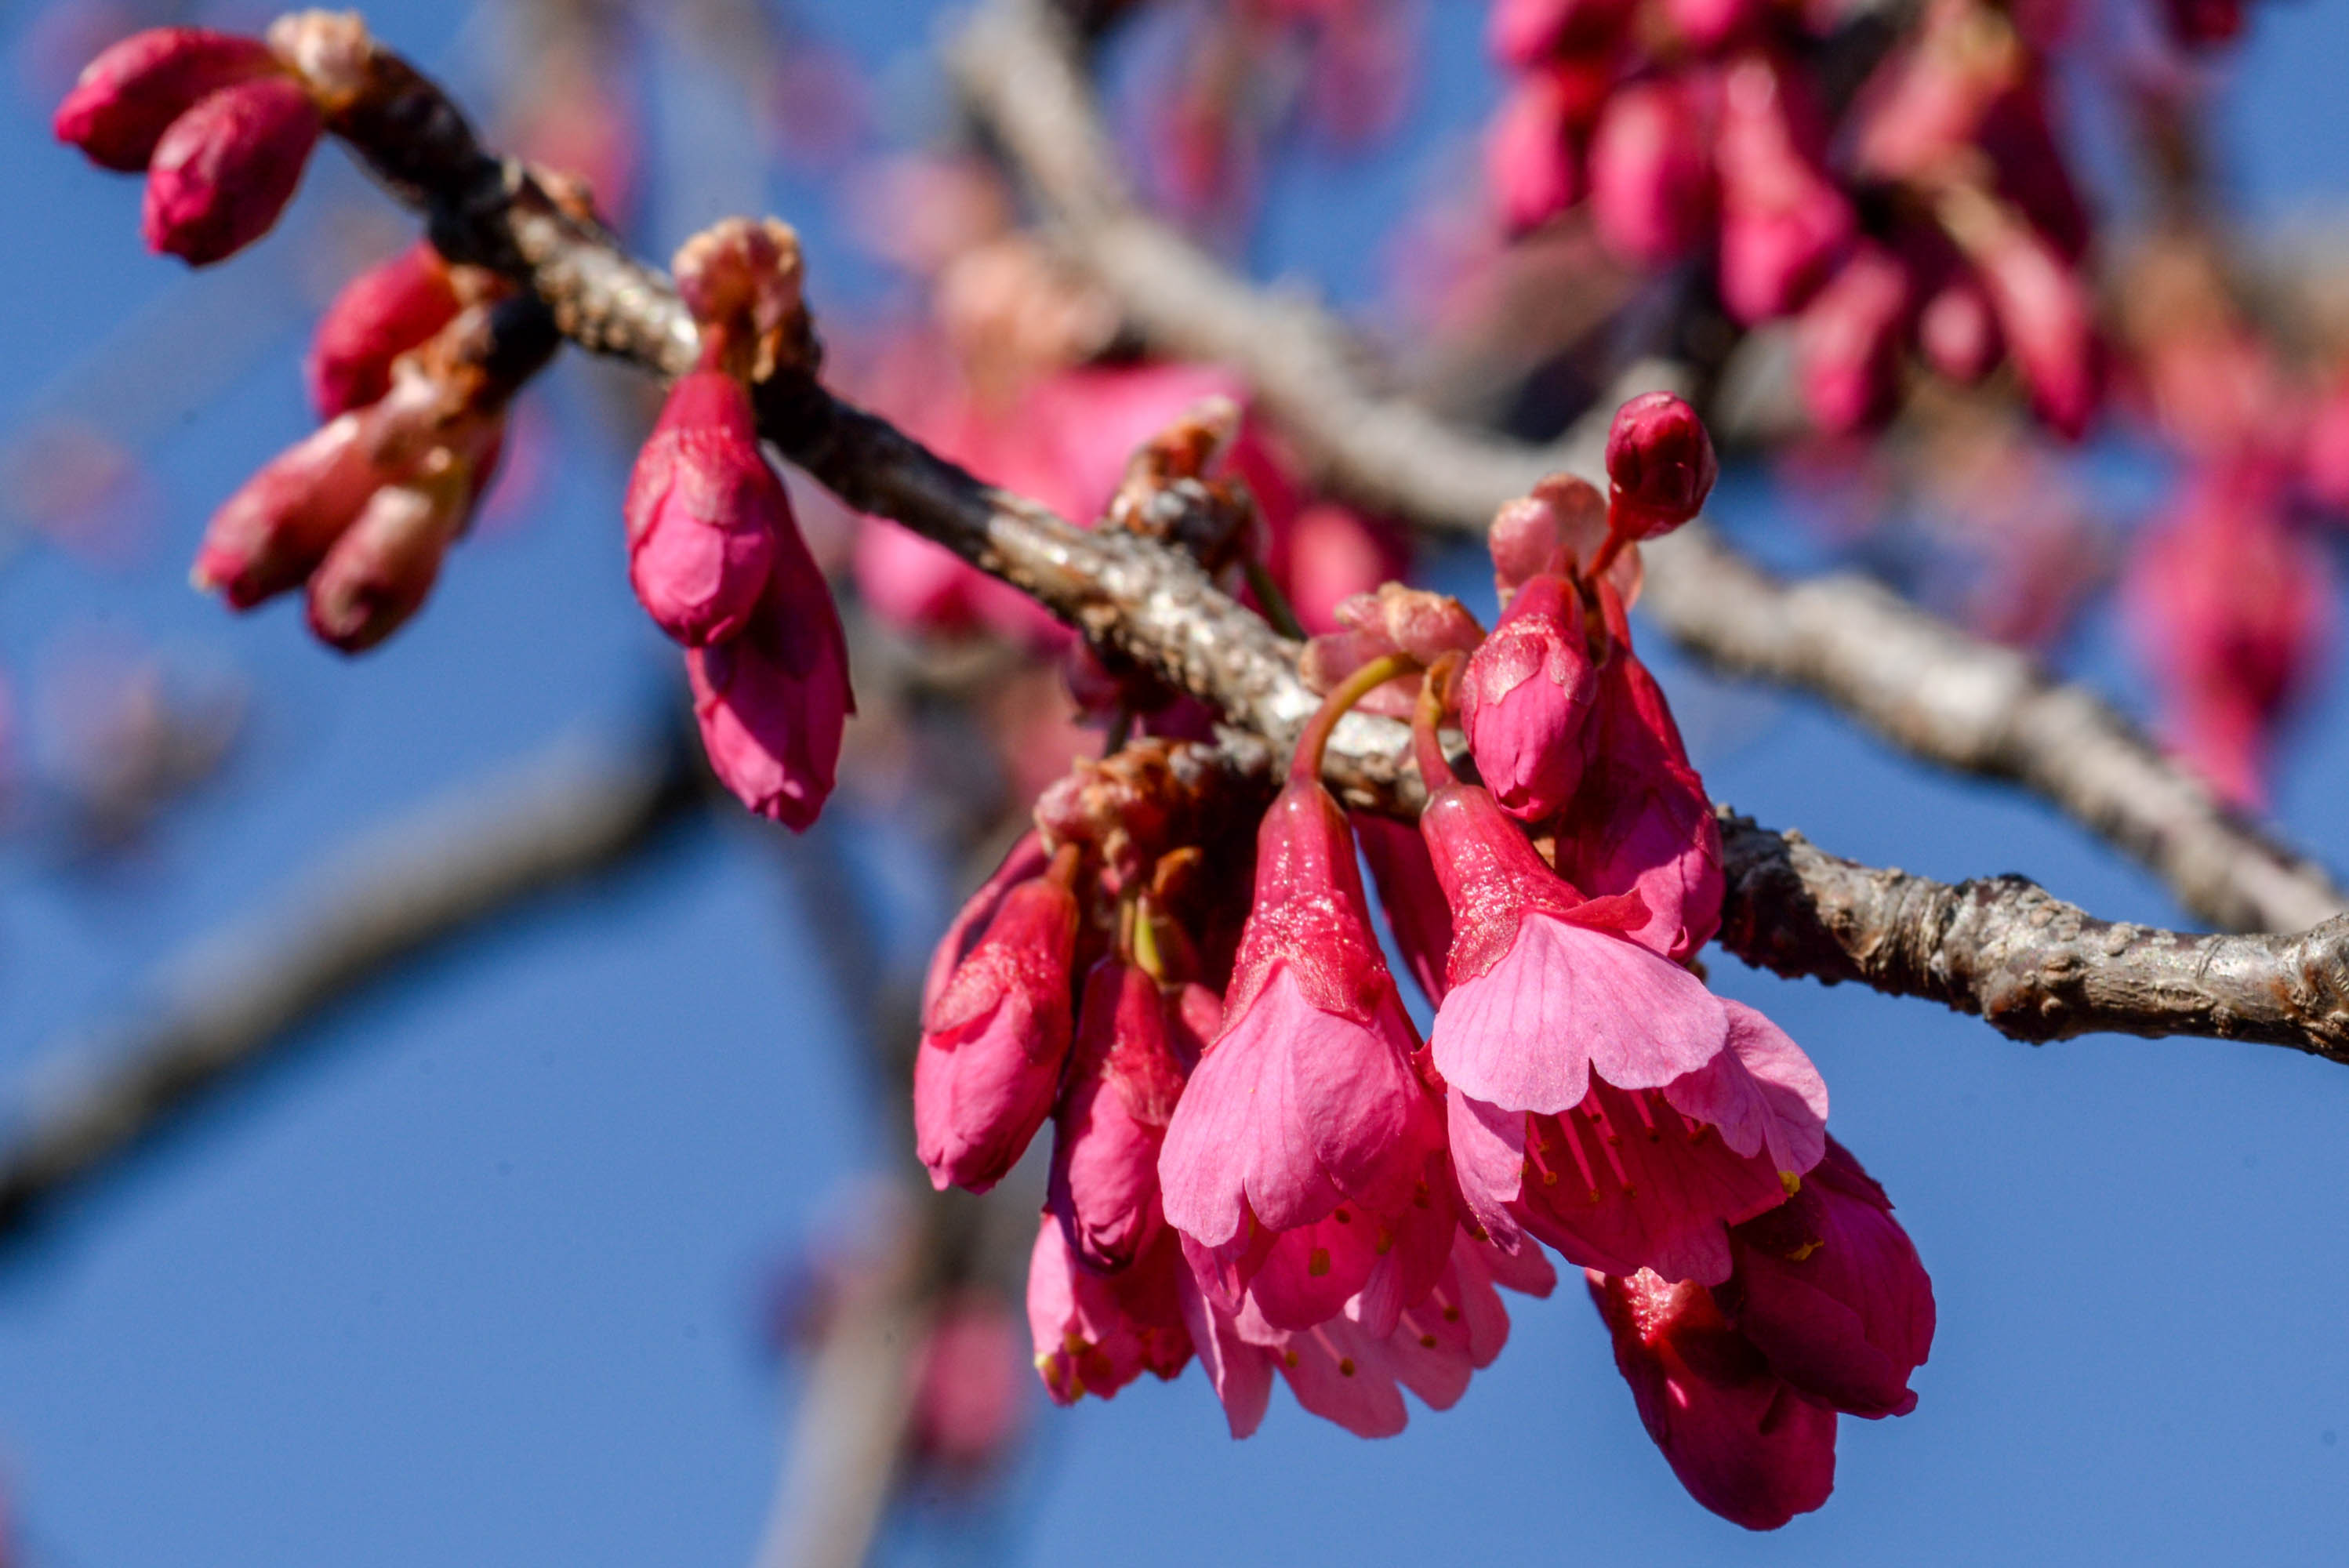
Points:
[[244, 997], [1153, 604], [2034, 967], [1928, 687]]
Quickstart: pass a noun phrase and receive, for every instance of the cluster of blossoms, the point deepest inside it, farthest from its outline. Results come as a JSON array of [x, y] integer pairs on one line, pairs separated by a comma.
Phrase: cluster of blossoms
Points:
[[1934, 214], [1257, 1160], [412, 387]]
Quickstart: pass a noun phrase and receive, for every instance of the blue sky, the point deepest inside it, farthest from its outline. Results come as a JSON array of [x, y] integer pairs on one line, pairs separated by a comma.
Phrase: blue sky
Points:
[[474, 1279]]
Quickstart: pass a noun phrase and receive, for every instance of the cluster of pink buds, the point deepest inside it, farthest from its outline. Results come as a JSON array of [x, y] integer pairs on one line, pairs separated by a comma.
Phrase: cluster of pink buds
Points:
[[714, 553], [1258, 1161], [365, 509], [223, 125], [1936, 217]]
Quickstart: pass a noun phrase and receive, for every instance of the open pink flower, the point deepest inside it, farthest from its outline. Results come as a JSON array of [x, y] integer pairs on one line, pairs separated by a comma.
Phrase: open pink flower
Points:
[[1307, 1100], [1746, 1443], [1094, 1334], [993, 1042], [1642, 822], [1829, 1288], [1344, 1373], [1525, 697], [1124, 1080]]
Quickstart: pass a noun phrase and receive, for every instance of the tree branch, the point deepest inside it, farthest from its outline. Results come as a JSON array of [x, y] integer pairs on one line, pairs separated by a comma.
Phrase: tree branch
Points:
[[1928, 687], [239, 998], [2014, 960], [2034, 967]]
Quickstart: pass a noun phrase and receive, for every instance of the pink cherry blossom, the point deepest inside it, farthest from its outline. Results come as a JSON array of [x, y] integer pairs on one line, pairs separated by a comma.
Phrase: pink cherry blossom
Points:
[[1746, 1443], [1783, 224], [1094, 1334], [992, 1044], [1652, 192], [1307, 1099], [1848, 340]]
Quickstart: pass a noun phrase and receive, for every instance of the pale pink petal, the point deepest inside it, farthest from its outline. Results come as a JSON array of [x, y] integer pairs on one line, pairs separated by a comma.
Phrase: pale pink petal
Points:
[[1488, 1158], [1761, 1093], [1241, 1373]]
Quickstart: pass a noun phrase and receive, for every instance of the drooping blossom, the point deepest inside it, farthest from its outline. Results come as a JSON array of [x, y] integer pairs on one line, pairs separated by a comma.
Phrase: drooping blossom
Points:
[[1344, 1373], [1306, 1113], [1744, 1442], [1783, 222], [1024, 861], [1096, 1333], [994, 1040], [1847, 342], [1829, 1288], [1525, 697], [1600, 1095], [704, 512], [1124, 1077]]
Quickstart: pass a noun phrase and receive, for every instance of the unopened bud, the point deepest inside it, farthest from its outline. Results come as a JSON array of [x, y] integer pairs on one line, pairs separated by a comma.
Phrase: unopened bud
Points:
[[1660, 466], [129, 95], [379, 572], [703, 510], [281, 523], [226, 169], [380, 315]]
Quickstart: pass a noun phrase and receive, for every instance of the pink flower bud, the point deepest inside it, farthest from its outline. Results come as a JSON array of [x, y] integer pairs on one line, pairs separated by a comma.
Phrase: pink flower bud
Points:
[[226, 169], [1744, 1442], [775, 700], [1848, 340], [704, 511], [1783, 224], [1649, 826], [1024, 862], [1532, 158], [2044, 312], [1660, 466], [1094, 1334], [1525, 697], [991, 1048], [129, 95], [966, 1406], [380, 315], [1394, 620], [1829, 1288], [1559, 527], [1123, 1081], [269, 535], [1651, 181], [377, 575]]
